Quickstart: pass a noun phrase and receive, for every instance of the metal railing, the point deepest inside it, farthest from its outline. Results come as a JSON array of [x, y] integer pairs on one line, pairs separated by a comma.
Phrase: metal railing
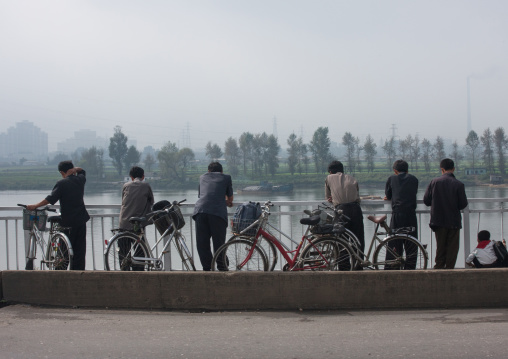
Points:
[[482, 213]]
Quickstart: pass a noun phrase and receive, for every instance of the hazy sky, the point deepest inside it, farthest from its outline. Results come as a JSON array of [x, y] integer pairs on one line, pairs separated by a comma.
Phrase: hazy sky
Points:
[[230, 66]]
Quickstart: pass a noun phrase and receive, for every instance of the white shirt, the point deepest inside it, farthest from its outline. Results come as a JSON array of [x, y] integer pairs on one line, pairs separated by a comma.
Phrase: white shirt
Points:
[[484, 253]]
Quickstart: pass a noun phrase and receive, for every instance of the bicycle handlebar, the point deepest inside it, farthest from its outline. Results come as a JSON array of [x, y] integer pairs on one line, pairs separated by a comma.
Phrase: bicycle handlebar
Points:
[[47, 208]]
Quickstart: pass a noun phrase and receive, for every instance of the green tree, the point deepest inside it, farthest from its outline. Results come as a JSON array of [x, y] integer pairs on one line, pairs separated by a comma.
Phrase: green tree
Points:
[[320, 148], [472, 143], [488, 150], [426, 154], [149, 162], [270, 156], [439, 152], [293, 148], [132, 158], [390, 151], [213, 151], [93, 161], [118, 149], [414, 151], [369, 148], [232, 154], [173, 162], [348, 140], [246, 146], [303, 159], [501, 143], [456, 154]]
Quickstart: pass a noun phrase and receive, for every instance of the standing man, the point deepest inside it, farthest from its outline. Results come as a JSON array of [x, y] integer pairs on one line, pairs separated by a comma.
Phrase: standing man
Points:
[[70, 191], [342, 190], [401, 188], [137, 198], [447, 197], [210, 212]]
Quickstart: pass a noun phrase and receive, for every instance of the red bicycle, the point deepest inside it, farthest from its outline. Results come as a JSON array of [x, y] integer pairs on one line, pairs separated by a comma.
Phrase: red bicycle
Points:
[[256, 249]]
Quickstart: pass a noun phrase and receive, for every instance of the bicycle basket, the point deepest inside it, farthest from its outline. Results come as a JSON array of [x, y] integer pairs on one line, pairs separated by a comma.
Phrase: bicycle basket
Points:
[[37, 217], [163, 220], [238, 225]]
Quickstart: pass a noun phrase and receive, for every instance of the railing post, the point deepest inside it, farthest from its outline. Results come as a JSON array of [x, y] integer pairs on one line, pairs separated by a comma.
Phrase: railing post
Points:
[[467, 232], [7, 242]]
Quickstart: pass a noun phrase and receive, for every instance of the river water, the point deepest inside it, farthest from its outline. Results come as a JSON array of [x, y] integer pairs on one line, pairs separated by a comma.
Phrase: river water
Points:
[[491, 221]]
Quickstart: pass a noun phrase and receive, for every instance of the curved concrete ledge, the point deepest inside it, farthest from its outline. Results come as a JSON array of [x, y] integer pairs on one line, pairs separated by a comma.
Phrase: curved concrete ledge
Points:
[[259, 290]]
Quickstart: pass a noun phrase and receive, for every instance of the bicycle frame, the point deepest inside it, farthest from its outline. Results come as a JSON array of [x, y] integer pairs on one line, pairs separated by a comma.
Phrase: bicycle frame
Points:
[[144, 260]]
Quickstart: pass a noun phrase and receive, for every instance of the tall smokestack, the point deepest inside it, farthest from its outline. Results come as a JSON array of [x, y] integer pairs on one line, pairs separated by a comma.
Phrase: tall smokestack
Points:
[[468, 108]]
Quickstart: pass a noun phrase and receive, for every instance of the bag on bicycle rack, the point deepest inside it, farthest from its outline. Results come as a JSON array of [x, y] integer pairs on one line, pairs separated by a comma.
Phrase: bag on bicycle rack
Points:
[[37, 217], [246, 214], [162, 221]]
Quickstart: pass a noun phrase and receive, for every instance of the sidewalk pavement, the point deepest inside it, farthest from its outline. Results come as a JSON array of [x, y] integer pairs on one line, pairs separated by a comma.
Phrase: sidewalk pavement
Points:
[[44, 332]]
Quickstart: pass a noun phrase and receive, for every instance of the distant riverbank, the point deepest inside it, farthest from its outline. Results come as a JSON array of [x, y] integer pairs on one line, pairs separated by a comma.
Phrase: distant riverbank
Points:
[[27, 178]]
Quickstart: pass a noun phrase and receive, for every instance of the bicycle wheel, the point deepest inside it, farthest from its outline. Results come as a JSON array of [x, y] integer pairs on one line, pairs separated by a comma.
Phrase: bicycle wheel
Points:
[[59, 253], [185, 254], [239, 255], [32, 246], [327, 254], [269, 248], [400, 252], [121, 252]]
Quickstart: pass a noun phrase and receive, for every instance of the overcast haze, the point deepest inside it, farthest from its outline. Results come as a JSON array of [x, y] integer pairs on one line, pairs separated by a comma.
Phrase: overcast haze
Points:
[[225, 67]]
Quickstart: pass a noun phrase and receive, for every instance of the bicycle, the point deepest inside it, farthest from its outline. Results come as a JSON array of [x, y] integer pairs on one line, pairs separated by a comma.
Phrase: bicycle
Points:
[[248, 249], [395, 251], [57, 253], [129, 250]]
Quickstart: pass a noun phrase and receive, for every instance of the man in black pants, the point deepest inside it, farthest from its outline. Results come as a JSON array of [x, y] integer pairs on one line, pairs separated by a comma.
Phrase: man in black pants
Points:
[[210, 212], [342, 190], [69, 191], [401, 188]]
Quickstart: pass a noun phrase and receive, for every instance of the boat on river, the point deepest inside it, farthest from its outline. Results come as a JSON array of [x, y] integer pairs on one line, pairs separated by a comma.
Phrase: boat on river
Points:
[[266, 189]]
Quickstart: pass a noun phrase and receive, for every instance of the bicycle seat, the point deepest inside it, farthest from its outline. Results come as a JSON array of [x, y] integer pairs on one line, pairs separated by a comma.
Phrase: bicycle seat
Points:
[[134, 220], [54, 219], [377, 219], [311, 221]]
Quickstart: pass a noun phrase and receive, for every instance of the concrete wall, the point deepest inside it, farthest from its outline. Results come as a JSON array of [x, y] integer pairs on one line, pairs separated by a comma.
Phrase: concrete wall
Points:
[[260, 290]]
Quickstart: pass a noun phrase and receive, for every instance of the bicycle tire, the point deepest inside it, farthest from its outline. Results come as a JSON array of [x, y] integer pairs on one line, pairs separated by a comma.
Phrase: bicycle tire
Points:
[[239, 255], [327, 254], [29, 265], [269, 248], [400, 252], [121, 249], [185, 254], [59, 253]]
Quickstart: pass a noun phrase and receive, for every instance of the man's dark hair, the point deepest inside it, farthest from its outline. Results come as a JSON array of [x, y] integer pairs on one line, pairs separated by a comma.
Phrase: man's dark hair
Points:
[[483, 236], [335, 166], [214, 167], [400, 166], [136, 172], [447, 164], [64, 166]]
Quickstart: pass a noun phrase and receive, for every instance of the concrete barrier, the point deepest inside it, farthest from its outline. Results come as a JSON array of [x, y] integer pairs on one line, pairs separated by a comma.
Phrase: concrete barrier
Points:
[[259, 290]]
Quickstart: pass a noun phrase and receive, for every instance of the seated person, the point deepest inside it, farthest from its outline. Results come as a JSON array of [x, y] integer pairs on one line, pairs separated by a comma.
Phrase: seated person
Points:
[[483, 256]]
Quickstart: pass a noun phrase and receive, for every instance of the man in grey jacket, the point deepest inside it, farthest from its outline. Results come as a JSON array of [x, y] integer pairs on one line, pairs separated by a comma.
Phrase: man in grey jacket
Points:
[[137, 198], [446, 196], [210, 212]]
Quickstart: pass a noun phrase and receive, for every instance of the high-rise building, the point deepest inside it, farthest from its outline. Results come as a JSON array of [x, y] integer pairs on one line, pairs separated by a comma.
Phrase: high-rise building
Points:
[[82, 139], [24, 140]]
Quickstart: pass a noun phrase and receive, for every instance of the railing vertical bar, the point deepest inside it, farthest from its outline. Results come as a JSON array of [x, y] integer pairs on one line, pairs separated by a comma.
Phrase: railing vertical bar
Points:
[[7, 242], [93, 245], [16, 233], [467, 232]]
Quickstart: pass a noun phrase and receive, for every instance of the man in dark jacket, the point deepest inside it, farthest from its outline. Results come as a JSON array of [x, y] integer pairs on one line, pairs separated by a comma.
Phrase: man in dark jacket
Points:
[[70, 191], [447, 197], [401, 188]]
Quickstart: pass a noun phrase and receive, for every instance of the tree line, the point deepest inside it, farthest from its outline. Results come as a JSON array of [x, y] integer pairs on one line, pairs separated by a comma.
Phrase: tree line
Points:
[[261, 154]]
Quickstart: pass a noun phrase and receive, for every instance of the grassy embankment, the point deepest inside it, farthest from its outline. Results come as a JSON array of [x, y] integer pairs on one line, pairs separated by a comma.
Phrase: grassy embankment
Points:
[[44, 177]]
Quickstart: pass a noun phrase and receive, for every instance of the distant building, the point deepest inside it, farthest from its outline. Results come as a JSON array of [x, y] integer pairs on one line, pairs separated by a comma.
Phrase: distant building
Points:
[[496, 179], [475, 171], [24, 140], [84, 139]]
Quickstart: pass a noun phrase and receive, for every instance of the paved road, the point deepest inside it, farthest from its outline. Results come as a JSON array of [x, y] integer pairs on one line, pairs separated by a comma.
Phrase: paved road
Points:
[[38, 332]]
